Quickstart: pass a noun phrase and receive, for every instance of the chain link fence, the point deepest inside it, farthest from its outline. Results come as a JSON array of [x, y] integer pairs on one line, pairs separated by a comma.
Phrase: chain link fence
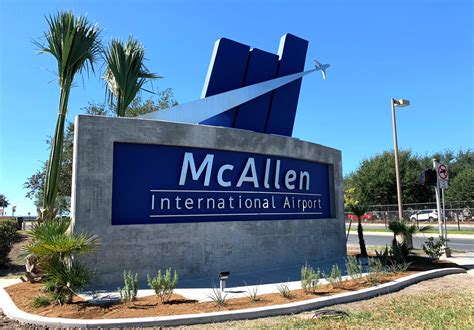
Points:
[[461, 211]]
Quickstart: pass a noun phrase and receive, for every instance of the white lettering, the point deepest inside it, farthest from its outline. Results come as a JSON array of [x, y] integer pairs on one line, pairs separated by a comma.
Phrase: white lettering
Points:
[[250, 165], [188, 162], [220, 174], [290, 177]]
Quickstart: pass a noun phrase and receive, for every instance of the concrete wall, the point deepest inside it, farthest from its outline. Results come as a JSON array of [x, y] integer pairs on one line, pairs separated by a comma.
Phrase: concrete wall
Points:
[[194, 249]]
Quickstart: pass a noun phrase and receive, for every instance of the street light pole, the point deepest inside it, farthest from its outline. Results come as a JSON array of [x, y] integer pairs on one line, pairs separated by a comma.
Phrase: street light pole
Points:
[[399, 103]]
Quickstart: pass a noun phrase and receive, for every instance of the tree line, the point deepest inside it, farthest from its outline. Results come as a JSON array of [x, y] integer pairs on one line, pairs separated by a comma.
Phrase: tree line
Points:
[[374, 182]]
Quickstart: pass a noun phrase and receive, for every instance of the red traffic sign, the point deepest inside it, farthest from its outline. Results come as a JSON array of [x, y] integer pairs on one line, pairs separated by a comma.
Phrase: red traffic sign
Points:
[[442, 171]]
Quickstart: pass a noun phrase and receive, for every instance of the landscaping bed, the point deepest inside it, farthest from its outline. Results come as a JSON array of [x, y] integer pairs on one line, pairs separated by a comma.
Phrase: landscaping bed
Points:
[[23, 295]]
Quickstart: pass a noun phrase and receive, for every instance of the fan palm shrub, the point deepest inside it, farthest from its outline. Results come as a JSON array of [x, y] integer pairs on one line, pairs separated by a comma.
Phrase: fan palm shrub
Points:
[[75, 45], [403, 233], [359, 211], [126, 73], [54, 249]]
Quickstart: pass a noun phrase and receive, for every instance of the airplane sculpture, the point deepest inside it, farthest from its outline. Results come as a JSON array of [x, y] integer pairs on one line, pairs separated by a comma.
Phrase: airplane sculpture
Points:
[[248, 88]]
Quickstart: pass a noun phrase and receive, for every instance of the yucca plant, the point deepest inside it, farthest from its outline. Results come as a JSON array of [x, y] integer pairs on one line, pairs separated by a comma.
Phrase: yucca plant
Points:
[[75, 44], [126, 73], [53, 248], [359, 211]]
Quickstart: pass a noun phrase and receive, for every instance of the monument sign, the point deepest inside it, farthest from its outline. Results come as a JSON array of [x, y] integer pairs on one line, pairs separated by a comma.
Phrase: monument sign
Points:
[[222, 186]]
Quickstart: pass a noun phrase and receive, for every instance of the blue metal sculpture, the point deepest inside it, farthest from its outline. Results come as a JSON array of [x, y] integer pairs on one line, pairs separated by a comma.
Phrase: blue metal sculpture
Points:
[[249, 88]]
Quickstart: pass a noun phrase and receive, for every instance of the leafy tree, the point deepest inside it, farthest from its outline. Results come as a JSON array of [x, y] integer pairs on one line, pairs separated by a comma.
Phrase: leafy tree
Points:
[[375, 182], [3, 201], [461, 188], [35, 183], [126, 73], [359, 211], [75, 44]]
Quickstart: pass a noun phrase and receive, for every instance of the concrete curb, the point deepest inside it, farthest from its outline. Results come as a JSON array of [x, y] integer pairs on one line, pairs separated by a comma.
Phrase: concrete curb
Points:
[[10, 310]]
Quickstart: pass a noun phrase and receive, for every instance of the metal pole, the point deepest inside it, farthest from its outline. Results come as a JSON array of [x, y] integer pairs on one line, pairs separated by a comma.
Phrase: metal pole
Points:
[[446, 247], [438, 205], [397, 169]]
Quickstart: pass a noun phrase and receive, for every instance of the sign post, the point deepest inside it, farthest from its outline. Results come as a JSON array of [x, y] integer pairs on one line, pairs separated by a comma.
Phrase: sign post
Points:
[[442, 175]]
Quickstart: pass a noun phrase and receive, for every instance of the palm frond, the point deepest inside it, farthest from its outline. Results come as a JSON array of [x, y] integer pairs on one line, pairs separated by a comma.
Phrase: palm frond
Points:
[[358, 210], [126, 73]]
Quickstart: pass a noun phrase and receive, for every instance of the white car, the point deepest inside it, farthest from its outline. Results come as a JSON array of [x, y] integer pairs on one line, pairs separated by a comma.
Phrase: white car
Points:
[[425, 215]]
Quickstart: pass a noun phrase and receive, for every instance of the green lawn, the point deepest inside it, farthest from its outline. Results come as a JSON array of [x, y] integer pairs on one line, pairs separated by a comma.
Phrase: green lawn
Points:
[[431, 310]]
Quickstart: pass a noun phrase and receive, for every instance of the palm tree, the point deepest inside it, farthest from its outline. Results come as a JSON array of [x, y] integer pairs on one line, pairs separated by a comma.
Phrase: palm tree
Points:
[[359, 211], [126, 73], [75, 44], [50, 257], [403, 232]]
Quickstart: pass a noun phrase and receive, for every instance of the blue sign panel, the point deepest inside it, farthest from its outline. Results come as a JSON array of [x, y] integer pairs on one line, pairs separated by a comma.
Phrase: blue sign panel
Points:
[[170, 184]]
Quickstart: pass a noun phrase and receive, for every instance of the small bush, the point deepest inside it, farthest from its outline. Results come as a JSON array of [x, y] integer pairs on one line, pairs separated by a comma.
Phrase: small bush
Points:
[[252, 292], [7, 238], [41, 301], [396, 267], [129, 292], [375, 271], [218, 297], [163, 284], [63, 280], [335, 278], [434, 248], [354, 268], [284, 290], [384, 255], [309, 278]]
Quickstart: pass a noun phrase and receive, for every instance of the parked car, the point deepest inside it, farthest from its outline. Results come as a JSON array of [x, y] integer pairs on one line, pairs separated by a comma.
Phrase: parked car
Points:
[[425, 215], [365, 217]]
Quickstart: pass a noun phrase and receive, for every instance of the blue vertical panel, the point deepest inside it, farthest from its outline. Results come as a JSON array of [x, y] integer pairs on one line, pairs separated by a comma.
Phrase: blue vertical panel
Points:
[[292, 54], [226, 72], [252, 115]]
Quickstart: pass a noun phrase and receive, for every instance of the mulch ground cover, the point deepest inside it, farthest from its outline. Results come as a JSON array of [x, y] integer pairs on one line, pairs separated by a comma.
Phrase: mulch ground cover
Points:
[[23, 295]]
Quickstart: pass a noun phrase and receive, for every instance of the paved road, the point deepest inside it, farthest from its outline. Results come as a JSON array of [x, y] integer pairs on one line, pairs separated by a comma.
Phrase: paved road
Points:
[[452, 228], [462, 244]]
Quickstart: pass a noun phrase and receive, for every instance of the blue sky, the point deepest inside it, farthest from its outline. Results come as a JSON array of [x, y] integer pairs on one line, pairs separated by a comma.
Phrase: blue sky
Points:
[[418, 50]]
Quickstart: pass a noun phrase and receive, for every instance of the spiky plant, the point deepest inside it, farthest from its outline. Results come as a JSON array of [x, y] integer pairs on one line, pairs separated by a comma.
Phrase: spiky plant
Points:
[[54, 248], [126, 73], [405, 231], [359, 211], [75, 44]]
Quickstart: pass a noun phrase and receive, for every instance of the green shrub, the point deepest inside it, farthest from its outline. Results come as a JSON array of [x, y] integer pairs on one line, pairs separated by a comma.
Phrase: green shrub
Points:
[[354, 268], [163, 284], [434, 248], [129, 291], [309, 278], [41, 301], [64, 279], [7, 238], [335, 278], [53, 249], [252, 292], [284, 290], [398, 267], [218, 297], [384, 255], [375, 271]]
